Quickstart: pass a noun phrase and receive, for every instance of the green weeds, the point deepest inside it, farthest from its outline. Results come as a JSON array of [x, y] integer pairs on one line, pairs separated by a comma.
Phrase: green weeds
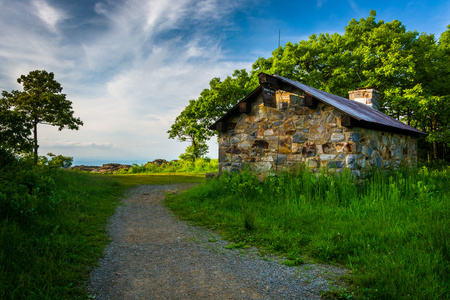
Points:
[[51, 230], [240, 245], [392, 229], [52, 225], [293, 262]]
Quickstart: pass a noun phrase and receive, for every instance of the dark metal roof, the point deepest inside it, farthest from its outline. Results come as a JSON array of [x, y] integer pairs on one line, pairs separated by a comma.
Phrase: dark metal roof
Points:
[[365, 115], [357, 110]]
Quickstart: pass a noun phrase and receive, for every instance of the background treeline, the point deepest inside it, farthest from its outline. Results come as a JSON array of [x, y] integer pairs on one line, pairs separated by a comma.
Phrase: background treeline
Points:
[[200, 165], [410, 69]]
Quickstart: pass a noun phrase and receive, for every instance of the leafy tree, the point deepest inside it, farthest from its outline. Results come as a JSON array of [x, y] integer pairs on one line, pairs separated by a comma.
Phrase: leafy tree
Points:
[[433, 92], [410, 70], [7, 159], [55, 161], [193, 152], [370, 53], [14, 130], [187, 127], [40, 102], [194, 121]]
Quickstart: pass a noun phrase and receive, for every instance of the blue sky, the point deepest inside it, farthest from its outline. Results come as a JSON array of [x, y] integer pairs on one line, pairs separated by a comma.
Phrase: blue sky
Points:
[[131, 66]]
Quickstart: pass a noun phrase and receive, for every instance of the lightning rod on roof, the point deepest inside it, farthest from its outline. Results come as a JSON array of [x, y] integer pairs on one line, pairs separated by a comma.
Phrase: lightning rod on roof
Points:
[[278, 64]]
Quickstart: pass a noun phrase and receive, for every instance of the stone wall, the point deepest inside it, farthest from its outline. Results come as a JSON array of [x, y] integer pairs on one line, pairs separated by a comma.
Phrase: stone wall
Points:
[[268, 139]]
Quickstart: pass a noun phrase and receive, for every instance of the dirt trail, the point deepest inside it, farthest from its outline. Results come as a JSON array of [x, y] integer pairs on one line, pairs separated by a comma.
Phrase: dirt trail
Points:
[[154, 256]]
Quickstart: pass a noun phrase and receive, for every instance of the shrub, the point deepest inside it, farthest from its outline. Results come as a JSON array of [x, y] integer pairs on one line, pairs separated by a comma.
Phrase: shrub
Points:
[[7, 159]]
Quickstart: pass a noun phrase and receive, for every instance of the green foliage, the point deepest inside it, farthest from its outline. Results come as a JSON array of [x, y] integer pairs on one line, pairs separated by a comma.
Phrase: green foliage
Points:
[[7, 159], [52, 224], [31, 194], [52, 230], [200, 165], [392, 229], [239, 245], [41, 102], [194, 151], [336, 294], [410, 70], [194, 121], [293, 263], [14, 130], [52, 161], [56, 161], [437, 164]]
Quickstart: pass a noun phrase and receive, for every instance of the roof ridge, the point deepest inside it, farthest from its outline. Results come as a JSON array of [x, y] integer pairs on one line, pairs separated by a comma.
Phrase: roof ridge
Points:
[[355, 109]]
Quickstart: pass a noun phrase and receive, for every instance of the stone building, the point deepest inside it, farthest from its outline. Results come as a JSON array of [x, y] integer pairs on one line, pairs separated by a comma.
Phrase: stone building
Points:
[[283, 123]]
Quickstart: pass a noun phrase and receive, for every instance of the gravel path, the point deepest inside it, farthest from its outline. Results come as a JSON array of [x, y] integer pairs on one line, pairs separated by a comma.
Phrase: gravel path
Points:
[[155, 256]]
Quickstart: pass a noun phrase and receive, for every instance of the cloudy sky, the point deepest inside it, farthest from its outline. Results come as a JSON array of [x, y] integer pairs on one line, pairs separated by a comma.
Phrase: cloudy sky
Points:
[[131, 66]]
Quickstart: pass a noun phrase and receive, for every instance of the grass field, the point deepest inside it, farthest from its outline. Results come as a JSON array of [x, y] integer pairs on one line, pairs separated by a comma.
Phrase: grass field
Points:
[[52, 227], [162, 178], [392, 230]]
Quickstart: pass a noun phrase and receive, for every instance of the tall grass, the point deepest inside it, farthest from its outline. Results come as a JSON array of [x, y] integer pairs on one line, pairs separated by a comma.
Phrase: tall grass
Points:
[[52, 225], [392, 230], [200, 165], [52, 230]]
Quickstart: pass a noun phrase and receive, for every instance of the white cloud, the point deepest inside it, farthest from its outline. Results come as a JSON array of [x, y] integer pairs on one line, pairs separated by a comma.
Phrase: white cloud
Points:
[[128, 79], [70, 144], [130, 66], [50, 15], [162, 15]]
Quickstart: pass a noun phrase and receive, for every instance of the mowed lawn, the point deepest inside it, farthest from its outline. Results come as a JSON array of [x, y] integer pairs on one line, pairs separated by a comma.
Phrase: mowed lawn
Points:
[[129, 180]]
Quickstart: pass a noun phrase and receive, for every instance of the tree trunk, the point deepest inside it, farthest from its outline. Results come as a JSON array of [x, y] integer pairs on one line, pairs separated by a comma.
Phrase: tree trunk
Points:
[[408, 116], [435, 150], [195, 147], [433, 129], [35, 141]]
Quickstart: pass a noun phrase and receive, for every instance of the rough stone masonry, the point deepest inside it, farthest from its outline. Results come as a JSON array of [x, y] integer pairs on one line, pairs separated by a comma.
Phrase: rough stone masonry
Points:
[[291, 133]]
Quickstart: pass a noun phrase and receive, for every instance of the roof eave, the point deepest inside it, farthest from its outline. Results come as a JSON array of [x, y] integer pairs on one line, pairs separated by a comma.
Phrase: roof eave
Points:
[[235, 108], [374, 125], [381, 127], [411, 131]]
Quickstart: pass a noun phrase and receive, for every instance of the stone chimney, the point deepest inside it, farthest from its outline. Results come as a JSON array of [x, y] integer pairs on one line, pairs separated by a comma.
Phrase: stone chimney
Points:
[[369, 97]]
